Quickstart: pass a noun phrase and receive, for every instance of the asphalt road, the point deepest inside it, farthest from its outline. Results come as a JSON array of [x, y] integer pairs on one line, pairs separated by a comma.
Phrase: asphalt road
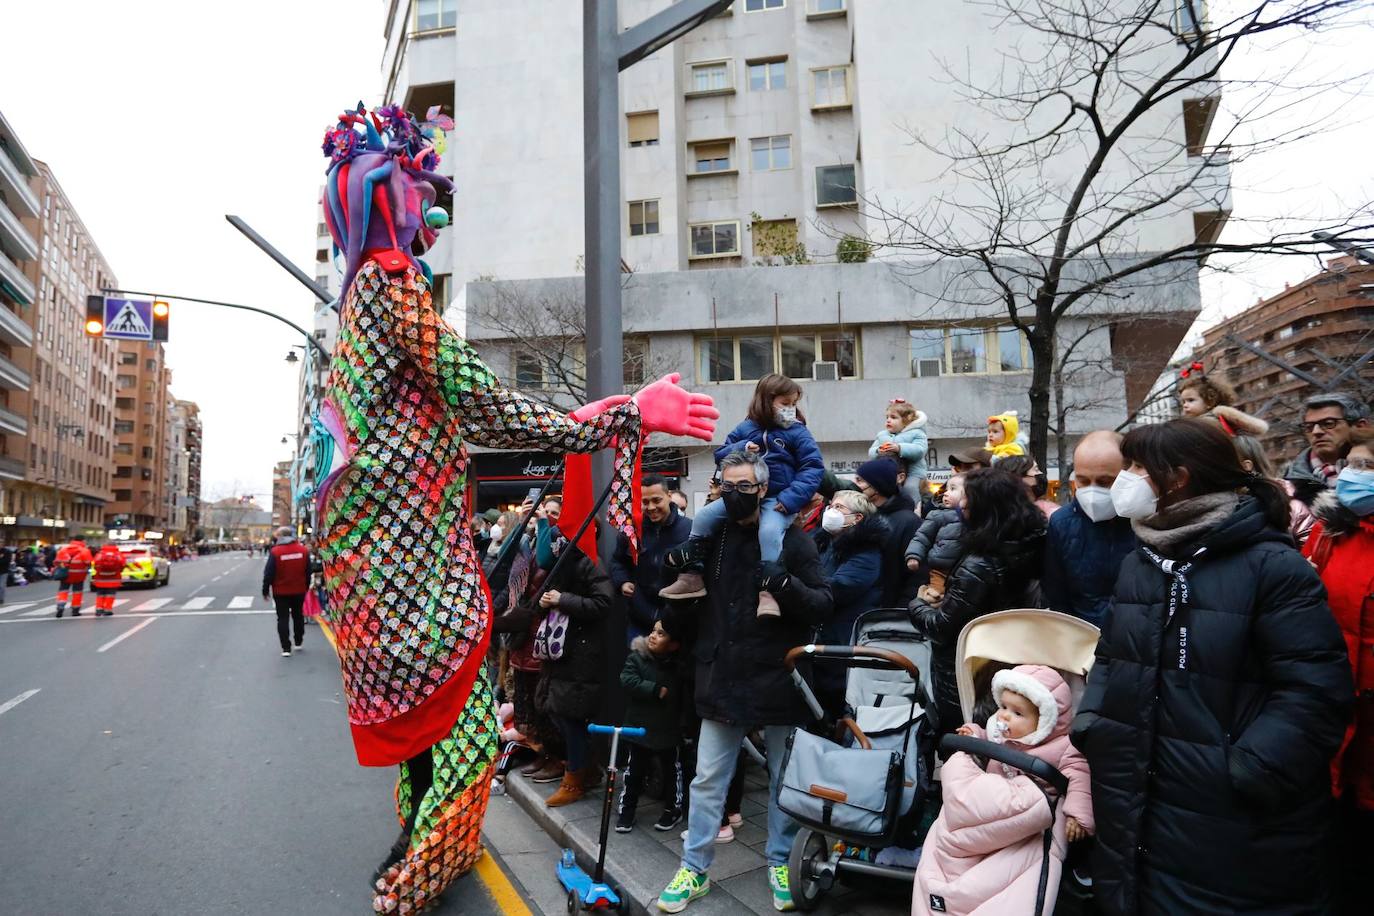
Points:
[[168, 760]]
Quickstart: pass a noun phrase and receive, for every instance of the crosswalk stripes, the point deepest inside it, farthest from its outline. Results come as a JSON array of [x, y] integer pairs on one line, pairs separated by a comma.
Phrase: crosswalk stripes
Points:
[[199, 603], [209, 604], [241, 601], [152, 604], [40, 611], [11, 608]]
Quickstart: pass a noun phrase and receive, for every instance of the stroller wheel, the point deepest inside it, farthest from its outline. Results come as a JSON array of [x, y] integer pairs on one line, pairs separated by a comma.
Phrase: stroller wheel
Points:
[[810, 872]]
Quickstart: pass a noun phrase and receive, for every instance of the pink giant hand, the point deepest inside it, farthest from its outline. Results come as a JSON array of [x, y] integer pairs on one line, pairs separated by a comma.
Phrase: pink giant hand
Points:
[[666, 407], [596, 408]]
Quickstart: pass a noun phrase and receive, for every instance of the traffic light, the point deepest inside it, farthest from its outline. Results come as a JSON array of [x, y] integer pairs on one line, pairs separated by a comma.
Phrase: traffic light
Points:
[[95, 316], [161, 312]]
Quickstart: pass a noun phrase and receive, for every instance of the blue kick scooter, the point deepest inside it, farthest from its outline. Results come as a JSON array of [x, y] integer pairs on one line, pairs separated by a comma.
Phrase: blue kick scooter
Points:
[[592, 892]]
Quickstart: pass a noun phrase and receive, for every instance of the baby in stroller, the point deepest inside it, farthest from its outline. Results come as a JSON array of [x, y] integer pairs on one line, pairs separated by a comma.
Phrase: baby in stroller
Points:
[[987, 850]]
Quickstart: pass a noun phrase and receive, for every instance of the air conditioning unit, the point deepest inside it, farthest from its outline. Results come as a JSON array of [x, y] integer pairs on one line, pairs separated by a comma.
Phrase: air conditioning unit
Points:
[[825, 371]]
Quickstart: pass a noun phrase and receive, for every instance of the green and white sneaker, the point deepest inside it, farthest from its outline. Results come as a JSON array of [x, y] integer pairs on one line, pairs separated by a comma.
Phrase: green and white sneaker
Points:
[[782, 893], [685, 887]]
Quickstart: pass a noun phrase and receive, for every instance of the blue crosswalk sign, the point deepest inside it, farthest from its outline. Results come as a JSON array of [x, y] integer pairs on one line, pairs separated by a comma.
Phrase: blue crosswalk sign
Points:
[[129, 319]]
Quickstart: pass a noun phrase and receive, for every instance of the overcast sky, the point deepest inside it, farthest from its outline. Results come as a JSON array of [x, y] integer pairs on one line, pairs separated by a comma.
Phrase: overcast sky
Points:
[[159, 117]]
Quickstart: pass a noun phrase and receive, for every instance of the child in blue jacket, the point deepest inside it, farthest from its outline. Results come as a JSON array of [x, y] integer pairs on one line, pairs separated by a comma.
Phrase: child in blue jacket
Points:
[[776, 429], [904, 438]]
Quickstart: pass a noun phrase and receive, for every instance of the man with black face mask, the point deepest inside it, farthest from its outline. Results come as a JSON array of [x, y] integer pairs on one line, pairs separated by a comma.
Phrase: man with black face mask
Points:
[[741, 681]]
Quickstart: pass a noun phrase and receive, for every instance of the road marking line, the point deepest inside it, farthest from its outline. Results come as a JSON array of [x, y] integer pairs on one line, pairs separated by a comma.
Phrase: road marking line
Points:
[[152, 604], [208, 612], [505, 895], [10, 704], [40, 612], [328, 632], [125, 635], [11, 608], [196, 604], [241, 601]]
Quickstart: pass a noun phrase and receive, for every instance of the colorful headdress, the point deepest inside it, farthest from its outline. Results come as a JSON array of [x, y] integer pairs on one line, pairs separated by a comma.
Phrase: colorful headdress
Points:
[[382, 185]]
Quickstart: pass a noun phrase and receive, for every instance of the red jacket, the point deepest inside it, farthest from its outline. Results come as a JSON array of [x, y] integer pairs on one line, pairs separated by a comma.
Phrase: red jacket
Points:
[[1343, 550], [288, 570], [75, 560], [109, 568]]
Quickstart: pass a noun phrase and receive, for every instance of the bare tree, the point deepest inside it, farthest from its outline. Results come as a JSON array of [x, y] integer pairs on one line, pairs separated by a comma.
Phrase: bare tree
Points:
[[542, 328], [1047, 210]]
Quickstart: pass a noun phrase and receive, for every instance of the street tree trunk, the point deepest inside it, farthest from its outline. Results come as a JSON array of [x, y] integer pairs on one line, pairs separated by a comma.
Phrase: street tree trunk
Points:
[[1041, 342]]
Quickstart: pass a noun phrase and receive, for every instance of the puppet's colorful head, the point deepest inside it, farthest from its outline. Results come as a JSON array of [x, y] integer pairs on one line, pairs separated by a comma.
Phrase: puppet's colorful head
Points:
[[382, 186]]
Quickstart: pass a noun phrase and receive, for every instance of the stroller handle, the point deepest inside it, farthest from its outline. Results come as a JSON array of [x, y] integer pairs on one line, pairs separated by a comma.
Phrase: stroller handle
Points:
[[894, 661], [1034, 766], [626, 730]]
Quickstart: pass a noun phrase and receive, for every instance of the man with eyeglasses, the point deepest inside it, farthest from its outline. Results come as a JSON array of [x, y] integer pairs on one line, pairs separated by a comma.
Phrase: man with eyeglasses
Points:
[[1327, 420], [742, 683]]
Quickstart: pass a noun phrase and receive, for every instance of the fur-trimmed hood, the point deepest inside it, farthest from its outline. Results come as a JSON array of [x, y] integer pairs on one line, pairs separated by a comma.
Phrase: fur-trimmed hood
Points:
[[1336, 519], [918, 423], [1044, 687]]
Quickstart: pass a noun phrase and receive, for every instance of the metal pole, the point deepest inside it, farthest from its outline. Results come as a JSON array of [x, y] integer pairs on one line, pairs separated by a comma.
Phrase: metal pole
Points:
[[319, 347], [320, 292]]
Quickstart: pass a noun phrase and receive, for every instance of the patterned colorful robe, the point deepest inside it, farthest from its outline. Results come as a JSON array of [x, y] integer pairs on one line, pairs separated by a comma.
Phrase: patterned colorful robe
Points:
[[407, 598]]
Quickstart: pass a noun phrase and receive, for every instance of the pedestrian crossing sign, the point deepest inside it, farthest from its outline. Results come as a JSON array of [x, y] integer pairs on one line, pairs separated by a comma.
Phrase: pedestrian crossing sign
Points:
[[128, 319]]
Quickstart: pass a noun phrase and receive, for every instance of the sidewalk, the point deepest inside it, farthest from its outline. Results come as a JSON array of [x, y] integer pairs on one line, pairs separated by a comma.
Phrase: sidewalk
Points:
[[640, 863]]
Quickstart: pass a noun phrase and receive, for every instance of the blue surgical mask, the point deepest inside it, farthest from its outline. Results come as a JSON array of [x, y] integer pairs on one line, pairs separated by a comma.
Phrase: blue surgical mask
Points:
[[1355, 491]]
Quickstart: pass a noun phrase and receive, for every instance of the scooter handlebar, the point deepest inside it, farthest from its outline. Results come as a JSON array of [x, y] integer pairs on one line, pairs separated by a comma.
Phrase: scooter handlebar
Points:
[[625, 730]]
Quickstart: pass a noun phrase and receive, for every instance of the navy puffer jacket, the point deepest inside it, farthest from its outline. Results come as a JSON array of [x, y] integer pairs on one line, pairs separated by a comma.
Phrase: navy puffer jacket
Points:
[[795, 468], [1082, 560], [1209, 732]]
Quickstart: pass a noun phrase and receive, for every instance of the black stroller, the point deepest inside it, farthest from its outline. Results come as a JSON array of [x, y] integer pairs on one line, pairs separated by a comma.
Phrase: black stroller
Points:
[[867, 790]]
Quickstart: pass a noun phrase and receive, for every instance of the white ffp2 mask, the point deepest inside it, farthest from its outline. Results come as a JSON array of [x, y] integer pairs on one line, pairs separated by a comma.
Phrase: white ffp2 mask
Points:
[[1096, 502], [1133, 496]]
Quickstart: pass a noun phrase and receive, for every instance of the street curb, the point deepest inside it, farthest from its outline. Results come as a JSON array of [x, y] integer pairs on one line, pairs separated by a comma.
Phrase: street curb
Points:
[[635, 898]]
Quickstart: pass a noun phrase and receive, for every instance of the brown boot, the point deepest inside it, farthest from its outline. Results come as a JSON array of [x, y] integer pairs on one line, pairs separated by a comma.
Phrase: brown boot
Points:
[[768, 605], [569, 791], [688, 585], [552, 772], [540, 761]]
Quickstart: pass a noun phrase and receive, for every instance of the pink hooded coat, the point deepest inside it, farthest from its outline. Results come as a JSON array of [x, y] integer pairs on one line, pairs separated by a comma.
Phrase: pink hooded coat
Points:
[[983, 854]]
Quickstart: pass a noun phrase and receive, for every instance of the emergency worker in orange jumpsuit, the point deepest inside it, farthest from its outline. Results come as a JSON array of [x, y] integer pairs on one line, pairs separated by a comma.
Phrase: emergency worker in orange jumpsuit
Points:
[[108, 576], [72, 566]]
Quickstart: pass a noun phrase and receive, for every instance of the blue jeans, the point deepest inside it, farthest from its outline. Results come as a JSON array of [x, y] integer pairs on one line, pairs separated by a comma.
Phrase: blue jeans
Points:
[[772, 526], [717, 753]]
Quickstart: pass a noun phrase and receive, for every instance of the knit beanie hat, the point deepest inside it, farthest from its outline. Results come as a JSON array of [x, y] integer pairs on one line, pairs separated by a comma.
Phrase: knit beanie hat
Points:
[[881, 475]]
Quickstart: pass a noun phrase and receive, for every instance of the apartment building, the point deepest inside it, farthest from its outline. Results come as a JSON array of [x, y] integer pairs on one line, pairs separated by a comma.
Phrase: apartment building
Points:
[[1323, 327], [190, 412], [71, 402], [182, 449], [748, 150], [18, 250], [141, 401], [281, 493]]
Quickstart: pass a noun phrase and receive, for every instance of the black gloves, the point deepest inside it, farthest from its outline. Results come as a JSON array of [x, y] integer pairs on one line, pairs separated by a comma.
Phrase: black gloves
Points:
[[773, 577]]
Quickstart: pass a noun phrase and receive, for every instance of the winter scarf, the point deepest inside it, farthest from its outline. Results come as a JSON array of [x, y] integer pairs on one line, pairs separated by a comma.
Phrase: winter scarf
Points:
[[1173, 529]]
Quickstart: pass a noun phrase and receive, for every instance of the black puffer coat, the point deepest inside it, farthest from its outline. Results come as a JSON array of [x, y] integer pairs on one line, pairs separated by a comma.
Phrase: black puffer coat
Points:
[[936, 543], [740, 675], [1210, 782], [899, 584], [571, 686], [980, 584]]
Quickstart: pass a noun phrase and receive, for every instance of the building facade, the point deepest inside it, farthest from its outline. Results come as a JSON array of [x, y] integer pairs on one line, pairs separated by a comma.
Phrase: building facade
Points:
[[20, 209], [1322, 327], [750, 151], [182, 499], [141, 402], [194, 437], [71, 402], [281, 493]]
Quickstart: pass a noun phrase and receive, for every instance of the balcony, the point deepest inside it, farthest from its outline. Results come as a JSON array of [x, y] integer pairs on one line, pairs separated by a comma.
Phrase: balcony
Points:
[[14, 330], [12, 377], [16, 186], [14, 282], [11, 422], [15, 236], [11, 468]]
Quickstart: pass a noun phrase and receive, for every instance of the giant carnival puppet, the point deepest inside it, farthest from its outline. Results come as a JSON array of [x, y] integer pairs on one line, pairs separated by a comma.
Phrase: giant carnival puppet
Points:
[[408, 601]]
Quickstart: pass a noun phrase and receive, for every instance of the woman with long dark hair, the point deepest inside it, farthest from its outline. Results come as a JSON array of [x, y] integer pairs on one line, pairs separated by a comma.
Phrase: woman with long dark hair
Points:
[[1003, 539], [1219, 695]]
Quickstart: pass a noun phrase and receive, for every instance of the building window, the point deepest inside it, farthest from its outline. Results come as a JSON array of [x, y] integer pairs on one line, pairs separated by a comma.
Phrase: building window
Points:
[[771, 153], [1189, 17], [528, 372], [967, 351], [755, 6], [749, 357], [710, 77], [767, 75], [431, 15], [835, 186], [635, 360], [711, 157], [821, 8], [128, 359], [776, 238], [438, 296], [830, 87], [124, 427], [715, 240], [642, 128], [643, 217], [124, 382]]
